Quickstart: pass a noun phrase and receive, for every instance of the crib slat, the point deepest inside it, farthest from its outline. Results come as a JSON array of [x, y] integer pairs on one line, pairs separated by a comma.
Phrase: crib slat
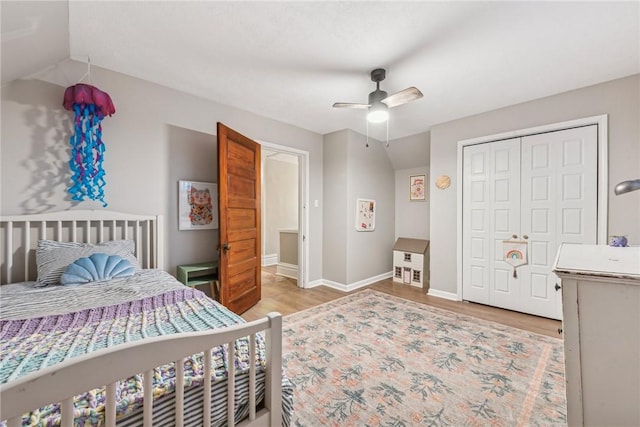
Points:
[[207, 389], [101, 230], [114, 225], [138, 242], [126, 230], [110, 405], [231, 384], [27, 248], [88, 240], [179, 393], [148, 244], [9, 254], [66, 410], [74, 231], [58, 230], [43, 231], [273, 390], [147, 401], [252, 377]]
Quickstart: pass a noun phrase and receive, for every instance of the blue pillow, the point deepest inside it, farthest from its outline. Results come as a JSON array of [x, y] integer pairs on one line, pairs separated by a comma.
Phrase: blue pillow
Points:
[[96, 267]]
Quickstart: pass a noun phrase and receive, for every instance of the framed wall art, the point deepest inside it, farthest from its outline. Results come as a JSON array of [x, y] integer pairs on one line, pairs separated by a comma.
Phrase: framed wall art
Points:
[[365, 215], [197, 205], [417, 187]]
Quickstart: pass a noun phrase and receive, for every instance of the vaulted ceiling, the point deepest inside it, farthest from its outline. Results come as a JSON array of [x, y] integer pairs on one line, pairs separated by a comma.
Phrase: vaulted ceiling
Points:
[[291, 61]]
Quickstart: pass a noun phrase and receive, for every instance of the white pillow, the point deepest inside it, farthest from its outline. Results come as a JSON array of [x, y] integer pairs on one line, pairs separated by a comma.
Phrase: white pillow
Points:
[[52, 258]]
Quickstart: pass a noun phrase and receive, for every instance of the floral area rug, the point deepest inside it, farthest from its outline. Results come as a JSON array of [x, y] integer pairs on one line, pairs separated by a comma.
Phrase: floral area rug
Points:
[[371, 359]]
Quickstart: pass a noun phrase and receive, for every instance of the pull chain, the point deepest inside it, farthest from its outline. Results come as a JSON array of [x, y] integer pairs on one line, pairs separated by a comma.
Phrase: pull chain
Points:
[[367, 133]]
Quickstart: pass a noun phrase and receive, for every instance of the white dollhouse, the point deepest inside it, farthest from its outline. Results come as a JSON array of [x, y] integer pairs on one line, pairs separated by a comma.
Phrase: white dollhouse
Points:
[[411, 262]]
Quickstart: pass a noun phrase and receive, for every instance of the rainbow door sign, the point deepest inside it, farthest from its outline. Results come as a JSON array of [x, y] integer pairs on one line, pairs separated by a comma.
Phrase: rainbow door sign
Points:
[[515, 252]]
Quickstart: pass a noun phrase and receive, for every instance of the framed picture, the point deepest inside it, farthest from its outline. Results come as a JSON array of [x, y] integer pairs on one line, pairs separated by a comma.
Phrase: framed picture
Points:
[[197, 205], [417, 187], [365, 215]]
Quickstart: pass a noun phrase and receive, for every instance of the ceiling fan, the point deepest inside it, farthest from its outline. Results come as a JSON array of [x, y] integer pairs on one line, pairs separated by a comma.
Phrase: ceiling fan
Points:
[[379, 101]]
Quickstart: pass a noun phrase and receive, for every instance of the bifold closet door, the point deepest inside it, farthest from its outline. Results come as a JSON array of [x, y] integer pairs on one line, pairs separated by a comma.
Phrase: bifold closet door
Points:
[[491, 214], [541, 189], [559, 204]]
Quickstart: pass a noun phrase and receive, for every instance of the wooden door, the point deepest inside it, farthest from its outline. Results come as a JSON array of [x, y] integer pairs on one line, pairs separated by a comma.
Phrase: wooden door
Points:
[[239, 204]]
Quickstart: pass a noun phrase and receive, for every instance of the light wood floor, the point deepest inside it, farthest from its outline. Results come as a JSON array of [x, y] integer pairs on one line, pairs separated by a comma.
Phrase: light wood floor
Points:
[[286, 298]]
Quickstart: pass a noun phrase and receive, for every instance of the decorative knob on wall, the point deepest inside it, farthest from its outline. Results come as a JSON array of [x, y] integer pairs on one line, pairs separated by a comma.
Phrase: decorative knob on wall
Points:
[[443, 182]]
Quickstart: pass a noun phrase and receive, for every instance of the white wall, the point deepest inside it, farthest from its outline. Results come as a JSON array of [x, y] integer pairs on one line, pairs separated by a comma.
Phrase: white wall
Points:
[[280, 180], [36, 129], [619, 99], [412, 217]]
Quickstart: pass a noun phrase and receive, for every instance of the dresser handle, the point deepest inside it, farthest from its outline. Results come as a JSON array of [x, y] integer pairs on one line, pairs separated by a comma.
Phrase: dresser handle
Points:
[[560, 331], [558, 287]]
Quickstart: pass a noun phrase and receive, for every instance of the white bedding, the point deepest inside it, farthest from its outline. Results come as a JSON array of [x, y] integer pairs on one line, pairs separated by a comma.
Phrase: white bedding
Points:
[[23, 300]]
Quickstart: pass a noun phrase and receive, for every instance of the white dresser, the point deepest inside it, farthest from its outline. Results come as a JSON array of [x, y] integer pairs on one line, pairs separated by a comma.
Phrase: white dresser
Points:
[[601, 326]]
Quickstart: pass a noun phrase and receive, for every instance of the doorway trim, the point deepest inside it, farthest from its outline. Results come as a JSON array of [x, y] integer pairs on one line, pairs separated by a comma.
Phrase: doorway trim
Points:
[[303, 202], [603, 174]]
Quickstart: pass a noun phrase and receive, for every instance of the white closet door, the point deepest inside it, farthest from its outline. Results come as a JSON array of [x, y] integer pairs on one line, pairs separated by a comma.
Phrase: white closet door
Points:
[[491, 199], [559, 204]]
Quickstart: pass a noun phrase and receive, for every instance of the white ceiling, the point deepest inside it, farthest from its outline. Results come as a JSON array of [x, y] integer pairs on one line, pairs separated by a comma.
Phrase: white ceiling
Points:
[[291, 61]]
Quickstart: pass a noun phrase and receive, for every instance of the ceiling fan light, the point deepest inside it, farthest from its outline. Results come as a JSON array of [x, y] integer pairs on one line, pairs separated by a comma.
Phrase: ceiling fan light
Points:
[[378, 114]]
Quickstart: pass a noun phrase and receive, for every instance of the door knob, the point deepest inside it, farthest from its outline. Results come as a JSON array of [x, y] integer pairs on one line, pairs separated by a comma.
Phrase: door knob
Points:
[[226, 247], [525, 237], [560, 331], [557, 287], [515, 236]]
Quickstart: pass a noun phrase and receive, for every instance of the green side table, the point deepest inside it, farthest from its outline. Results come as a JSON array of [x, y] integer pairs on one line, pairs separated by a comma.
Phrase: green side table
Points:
[[200, 274]]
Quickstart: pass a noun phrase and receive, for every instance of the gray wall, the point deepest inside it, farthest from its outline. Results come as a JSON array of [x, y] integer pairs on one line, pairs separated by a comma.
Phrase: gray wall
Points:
[[411, 156], [35, 132], [618, 98], [194, 158], [353, 171], [369, 176], [335, 206], [412, 217], [280, 180], [410, 152]]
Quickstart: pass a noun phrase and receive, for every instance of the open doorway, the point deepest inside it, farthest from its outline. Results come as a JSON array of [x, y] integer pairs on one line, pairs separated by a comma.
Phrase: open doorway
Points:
[[283, 214]]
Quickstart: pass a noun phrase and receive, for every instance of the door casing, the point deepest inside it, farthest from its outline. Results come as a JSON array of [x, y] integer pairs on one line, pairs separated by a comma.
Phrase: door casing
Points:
[[303, 207]]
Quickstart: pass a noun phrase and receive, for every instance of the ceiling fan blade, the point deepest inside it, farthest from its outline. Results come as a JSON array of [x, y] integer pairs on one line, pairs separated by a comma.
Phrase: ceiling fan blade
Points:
[[351, 105], [407, 95]]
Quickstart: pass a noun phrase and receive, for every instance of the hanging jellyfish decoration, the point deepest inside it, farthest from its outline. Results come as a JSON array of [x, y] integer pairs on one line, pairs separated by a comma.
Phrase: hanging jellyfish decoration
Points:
[[90, 105]]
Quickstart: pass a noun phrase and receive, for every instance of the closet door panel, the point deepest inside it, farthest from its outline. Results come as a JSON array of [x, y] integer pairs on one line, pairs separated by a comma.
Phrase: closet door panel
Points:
[[475, 220], [490, 215], [505, 208], [559, 204]]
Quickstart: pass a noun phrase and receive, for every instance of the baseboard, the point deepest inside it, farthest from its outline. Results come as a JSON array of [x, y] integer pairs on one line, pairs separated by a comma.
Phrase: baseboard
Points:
[[442, 294], [287, 270], [314, 283], [269, 259], [352, 286]]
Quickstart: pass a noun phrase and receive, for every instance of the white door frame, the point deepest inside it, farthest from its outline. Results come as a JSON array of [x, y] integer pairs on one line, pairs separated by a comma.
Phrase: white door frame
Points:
[[603, 174], [303, 202]]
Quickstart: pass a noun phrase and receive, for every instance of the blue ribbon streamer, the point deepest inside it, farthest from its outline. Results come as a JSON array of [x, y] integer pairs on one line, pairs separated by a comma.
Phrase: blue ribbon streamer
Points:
[[87, 155]]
